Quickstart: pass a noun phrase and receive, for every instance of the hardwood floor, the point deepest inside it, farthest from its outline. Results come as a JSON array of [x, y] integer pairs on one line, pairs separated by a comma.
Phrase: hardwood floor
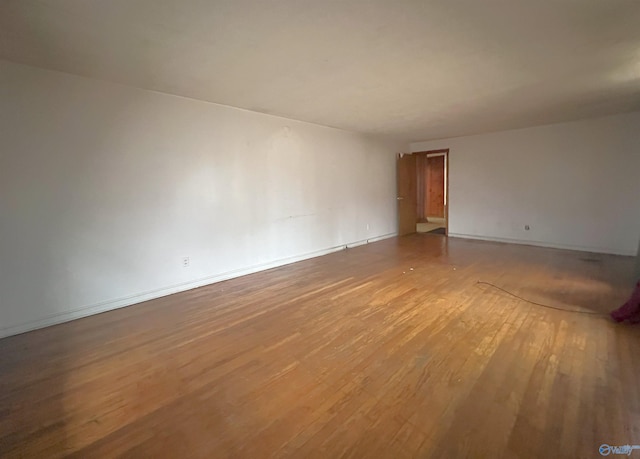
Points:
[[386, 350]]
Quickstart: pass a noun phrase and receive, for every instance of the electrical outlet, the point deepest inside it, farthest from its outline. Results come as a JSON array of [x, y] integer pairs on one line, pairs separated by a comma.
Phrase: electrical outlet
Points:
[[526, 227], [185, 262]]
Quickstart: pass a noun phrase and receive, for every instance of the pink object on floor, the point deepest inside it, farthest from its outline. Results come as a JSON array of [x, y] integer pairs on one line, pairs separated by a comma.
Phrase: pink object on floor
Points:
[[630, 310]]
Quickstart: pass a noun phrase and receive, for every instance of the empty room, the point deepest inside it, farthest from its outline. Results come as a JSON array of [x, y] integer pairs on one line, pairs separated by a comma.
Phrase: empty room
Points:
[[367, 229]]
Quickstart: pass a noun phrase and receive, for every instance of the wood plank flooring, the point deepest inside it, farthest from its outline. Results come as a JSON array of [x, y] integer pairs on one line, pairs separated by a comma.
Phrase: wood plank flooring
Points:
[[386, 350]]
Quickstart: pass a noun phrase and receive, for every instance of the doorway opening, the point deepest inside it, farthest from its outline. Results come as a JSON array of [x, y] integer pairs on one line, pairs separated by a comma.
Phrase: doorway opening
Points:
[[431, 170], [423, 189]]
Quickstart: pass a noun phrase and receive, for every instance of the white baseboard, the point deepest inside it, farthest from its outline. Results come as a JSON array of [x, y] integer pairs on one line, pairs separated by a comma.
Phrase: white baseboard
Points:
[[351, 245], [544, 244], [380, 238], [110, 305]]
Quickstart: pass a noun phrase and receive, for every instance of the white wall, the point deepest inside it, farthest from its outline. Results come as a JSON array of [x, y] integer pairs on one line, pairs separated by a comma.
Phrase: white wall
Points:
[[105, 188], [575, 184]]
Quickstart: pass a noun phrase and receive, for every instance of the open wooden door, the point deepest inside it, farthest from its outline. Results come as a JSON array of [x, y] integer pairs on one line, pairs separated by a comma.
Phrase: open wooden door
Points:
[[407, 193]]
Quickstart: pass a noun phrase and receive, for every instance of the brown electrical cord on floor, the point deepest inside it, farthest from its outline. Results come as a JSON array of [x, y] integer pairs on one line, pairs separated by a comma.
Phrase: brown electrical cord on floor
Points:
[[540, 304]]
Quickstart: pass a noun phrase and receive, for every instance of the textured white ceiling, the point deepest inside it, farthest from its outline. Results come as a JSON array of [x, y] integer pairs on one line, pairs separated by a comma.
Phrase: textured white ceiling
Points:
[[416, 70]]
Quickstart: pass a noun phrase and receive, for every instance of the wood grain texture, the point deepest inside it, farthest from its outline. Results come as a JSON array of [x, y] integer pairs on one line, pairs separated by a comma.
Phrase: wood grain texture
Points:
[[406, 182], [434, 199], [385, 350]]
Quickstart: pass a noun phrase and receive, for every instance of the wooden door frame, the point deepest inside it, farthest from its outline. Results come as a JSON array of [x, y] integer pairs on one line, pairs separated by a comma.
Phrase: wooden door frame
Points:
[[448, 198]]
